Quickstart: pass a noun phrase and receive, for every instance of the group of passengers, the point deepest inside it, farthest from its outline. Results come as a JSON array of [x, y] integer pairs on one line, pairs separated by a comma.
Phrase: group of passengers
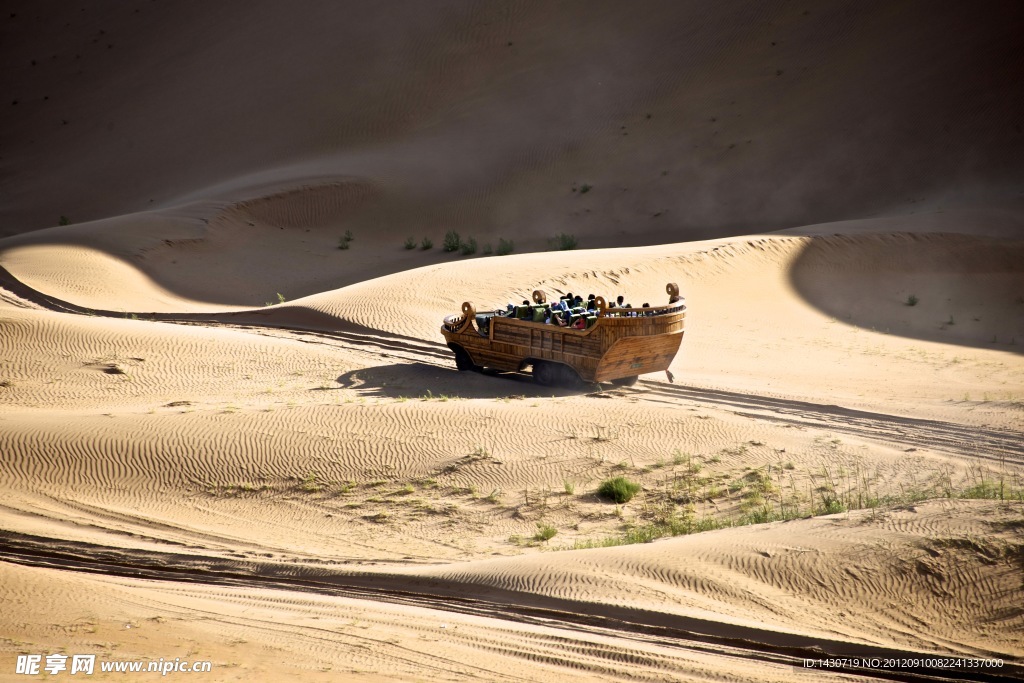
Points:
[[569, 311]]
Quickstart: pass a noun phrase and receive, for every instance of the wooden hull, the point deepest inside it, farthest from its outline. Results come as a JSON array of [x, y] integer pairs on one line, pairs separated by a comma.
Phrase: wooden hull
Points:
[[613, 348]]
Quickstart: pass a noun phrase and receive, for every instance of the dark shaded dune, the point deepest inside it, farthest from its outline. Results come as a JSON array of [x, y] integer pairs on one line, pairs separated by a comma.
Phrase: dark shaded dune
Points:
[[951, 288], [324, 205], [242, 253], [690, 120]]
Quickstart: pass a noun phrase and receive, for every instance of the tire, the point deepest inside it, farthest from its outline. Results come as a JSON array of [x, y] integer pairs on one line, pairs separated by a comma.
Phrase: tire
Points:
[[544, 373], [549, 374], [463, 362], [625, 381]]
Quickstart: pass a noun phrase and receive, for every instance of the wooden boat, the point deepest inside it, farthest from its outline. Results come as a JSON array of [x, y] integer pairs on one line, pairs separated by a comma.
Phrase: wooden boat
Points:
[[617, 346]]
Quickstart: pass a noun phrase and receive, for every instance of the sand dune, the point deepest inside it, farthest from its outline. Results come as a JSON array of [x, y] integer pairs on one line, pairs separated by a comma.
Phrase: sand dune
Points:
[[271, 634], [228, 435], [890, 575], [773, 576], [752, 300], [230, 432], [740, 119]]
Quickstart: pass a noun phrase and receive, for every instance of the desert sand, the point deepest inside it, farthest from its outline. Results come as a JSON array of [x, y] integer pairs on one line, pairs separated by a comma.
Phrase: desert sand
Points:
[[224, 438]]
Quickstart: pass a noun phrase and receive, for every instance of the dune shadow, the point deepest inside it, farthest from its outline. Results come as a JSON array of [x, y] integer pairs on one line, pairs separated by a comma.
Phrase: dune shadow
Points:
[[425, 381], [939, 287], [242, 253]]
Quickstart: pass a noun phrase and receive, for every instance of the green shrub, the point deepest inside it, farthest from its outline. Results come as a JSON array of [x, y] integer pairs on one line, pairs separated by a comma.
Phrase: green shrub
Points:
[[343, 243], [584, 188], [469, 247], [830, 506], [911, 300], [487, 249], [410, 243], [452, 241], [505, 247], [348, 236], [563, 242], [427, 243], [64, 220], [619, 489], [545, 532]]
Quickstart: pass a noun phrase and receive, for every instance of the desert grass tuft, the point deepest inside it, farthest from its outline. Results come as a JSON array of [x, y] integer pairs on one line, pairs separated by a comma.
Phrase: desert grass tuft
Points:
[[452, 241], [563, 242], [619, 490]]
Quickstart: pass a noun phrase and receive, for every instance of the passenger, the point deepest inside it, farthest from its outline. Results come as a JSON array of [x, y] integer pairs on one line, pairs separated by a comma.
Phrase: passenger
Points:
[[619, 304], [648, 313], [526, 313], [581, 323], [559, 318]]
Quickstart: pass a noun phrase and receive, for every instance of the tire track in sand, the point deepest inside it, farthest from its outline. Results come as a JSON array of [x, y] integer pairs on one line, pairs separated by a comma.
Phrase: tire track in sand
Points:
[[996, 445], [689, 633], [989, 444]]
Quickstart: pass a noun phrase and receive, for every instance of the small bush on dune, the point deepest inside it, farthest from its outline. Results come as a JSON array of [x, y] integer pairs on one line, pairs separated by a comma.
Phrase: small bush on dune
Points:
[[410, 243], [64, 220], [468, 247], [563, 242], [619, 489], [545, 532], [911, 300], [427, 243], [505, 247], [452, 241], [343, 243]]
